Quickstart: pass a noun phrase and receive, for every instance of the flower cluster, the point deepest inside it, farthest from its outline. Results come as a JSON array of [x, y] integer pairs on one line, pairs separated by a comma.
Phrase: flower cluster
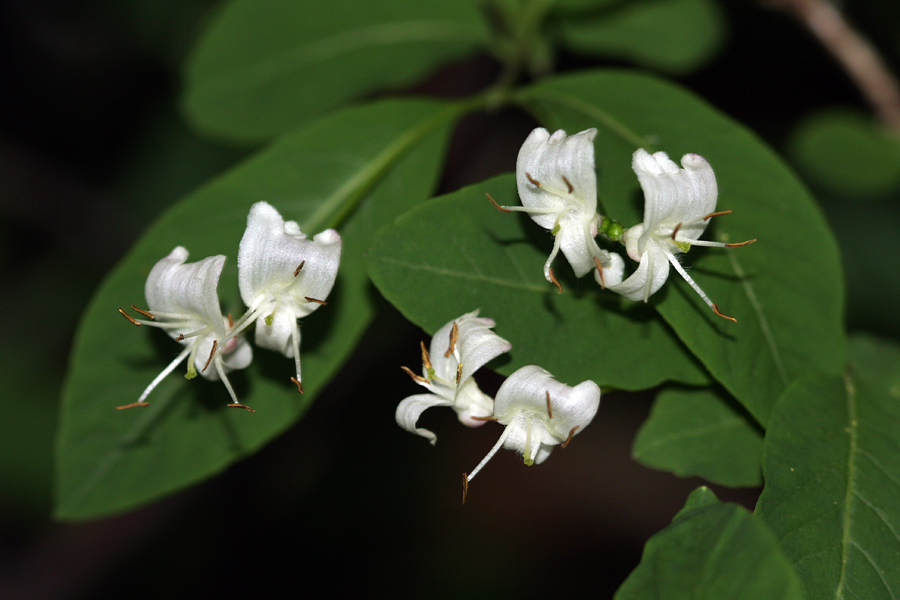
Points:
[[558, 189], [283, 277], [538, 411]]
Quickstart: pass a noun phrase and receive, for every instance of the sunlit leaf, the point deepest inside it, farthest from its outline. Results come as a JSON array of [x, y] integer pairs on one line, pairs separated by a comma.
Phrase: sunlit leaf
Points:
[[457, 253], [698, 432], [712, 551], [786, 290], [263, 68], [832, 474], [380, 159]]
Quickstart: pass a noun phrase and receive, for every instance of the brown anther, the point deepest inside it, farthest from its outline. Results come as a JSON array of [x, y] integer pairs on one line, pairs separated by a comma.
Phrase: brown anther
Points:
[[675, 231], [132, 405], [600, 271], [129, 317], [416, 378], [497, 206], [571, 435], [716, 214], [147, 314], [739, 244], [533, 180], [465, 486], [180, 337], [494, 419], [715, 308], [244, 406], [211, 354], [454, 335], [297, 270], [230, 321], [426, 359], [458, 373], [298, 384], [308, 299], [568, 184], [555, 282], [549, 409]]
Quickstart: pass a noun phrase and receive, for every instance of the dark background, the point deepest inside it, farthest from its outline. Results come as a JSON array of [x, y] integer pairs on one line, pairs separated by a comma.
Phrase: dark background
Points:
[[92, 148]]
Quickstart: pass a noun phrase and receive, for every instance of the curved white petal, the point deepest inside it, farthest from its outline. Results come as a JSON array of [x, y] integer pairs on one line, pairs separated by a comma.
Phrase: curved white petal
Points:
[[674, 195], [187, 289], [576, 240], [472, 405], [411, 408], [277, 336], [271, 252], [650, 275], [551, 160], [476, 345]]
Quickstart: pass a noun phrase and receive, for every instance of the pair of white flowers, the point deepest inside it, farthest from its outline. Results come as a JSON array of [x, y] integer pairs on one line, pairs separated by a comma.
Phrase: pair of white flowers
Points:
[[283, 276], [538, 412], [558, 189]]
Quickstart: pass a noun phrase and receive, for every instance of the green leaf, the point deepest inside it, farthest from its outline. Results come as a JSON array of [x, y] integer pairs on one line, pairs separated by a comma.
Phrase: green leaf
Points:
[[386, 157], [700, 433], [847, 153], [263, 68], [712, 551], [876, 360], [457, 253], [786, 290], [676, 36], [832, 474]]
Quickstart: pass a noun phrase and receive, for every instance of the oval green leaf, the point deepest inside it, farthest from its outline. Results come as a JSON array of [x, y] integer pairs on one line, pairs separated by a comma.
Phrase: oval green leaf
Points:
[[457, 253], [263, 68], [344, 171], [786, 290], [712, 551], [832, 474], [700, 433]]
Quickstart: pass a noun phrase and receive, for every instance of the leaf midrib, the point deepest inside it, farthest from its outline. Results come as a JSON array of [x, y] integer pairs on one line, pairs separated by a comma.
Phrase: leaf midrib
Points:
[[852, 431]]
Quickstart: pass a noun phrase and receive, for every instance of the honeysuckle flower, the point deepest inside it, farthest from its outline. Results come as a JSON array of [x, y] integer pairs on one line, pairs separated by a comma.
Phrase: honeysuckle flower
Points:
[[283, 276], [458, 349], [183, 301], [558, 189], [539, 413], [678, 205]]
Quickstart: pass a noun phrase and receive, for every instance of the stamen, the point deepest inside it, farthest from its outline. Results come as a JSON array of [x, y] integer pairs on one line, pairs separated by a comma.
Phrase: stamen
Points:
[[129, 317], [549, 409], [132, 405], [739, 244], [555, 282], [308, 299], [211, 354], [230, 322], [497, 206], [416, 378], [465, 487], [143, 312], [297, 270], [180, 337], [426, 359], [716, 214], [299, 385], [244, 406], [458, 373], [568, 185], [675, 231], [533, 180], [571, 435], [715, 308], [600, 272], [454, 335], [494, 419]]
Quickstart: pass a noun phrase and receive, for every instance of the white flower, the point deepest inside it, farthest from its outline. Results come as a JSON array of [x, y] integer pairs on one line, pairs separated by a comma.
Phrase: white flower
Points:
[[283, 276], [678, 206], [558, 188], [540, 413], [183, 300], [458, 349]]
